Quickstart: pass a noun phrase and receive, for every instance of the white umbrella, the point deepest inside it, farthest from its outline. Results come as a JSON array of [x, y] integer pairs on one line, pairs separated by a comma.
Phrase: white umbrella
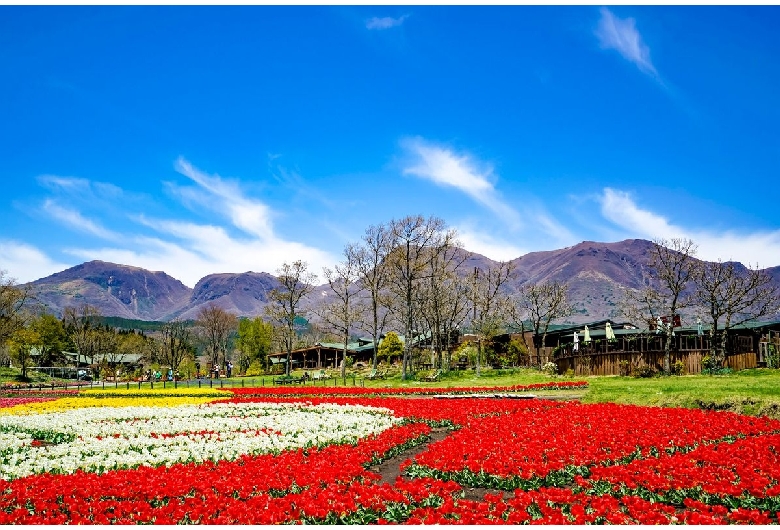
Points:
[[586, 340], [576, 341], [610, 333]]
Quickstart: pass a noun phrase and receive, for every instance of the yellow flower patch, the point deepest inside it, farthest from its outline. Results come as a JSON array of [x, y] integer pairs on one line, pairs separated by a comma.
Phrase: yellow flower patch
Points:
[[101, 398]]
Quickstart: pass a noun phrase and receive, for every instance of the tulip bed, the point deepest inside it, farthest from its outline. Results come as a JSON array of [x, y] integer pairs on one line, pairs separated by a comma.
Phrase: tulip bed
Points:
[[267, 456]]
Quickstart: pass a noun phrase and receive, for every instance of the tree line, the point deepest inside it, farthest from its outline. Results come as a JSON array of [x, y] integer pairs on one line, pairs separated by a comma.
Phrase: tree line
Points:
[[409, 275]]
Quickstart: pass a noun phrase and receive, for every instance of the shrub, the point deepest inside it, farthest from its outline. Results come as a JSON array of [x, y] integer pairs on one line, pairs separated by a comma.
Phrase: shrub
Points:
[[772, 356], [550, 368], [677, 368], [255, 368], [711, 366], [624, 367], [644, 371]]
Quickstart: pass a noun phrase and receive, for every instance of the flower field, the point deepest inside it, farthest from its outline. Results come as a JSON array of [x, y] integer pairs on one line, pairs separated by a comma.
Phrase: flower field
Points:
[[322, 456]]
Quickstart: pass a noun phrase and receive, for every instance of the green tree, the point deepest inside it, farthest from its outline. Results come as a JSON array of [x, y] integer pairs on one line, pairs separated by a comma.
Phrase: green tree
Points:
[[53, 339], [12, 301], [254, 342], [391, 346], [21, 345]]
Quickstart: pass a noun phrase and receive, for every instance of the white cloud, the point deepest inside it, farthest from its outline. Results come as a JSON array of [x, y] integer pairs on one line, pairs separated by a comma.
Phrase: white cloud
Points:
[[189, 251], [444, 167], [385, 22], [621, 35], [75, 220], [757, 248], [487, 245], [26, 263], [203, 250], [226, 197]]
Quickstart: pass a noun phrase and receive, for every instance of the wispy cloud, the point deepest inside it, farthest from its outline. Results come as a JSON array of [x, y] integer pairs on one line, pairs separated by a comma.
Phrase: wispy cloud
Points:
[[225, 197], [620, 34], [445, 167], [757, 248], [77, 221], [486, 244], [189, 250], [26, 263], [385, 22]]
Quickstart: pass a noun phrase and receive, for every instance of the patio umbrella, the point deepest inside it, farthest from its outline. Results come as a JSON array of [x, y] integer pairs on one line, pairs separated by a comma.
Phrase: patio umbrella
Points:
[[610, 333], [576, 341], [586, 340]]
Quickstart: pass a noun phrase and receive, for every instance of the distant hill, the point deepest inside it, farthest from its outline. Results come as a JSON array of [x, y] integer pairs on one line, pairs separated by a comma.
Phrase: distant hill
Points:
[[244, 294], [116, 290], [595, 272]]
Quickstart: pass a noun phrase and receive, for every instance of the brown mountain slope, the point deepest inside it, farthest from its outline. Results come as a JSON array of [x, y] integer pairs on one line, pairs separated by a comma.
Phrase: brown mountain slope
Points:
[[116, 290], [596, 273]]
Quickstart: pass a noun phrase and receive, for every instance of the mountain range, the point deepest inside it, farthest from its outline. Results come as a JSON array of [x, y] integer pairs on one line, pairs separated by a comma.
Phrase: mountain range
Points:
[[595, 272]]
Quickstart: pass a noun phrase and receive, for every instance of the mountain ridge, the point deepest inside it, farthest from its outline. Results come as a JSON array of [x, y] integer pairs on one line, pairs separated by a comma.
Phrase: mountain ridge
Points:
[[596, 272]]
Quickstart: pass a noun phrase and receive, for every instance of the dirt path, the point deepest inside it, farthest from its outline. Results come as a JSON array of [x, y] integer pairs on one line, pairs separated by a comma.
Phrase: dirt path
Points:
[[390, 469]]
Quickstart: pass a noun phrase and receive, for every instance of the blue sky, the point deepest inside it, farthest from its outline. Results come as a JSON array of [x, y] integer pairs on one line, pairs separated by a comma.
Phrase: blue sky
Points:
[[198, 140]]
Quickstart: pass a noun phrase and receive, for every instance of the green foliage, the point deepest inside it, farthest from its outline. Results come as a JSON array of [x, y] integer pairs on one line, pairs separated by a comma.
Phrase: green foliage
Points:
[[53, 339], [253, 342], [710, 365], [467, 350], [677, 368], [624, 367], [255, 368], [550, 368], [644, 371], [23, 340], [391, 346], [773, 356], [128, 323]]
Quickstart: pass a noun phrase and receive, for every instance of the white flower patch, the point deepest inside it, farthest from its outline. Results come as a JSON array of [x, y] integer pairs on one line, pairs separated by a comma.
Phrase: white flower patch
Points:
[[107, 438]]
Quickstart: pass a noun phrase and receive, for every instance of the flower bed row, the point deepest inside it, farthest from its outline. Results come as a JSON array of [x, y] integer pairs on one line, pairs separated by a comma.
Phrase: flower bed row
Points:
[[106, 438], [556, 462], [419, 391]]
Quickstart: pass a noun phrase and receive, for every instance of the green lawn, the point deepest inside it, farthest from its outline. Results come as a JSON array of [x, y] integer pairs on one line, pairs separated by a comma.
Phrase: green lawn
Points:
[[749, 392]]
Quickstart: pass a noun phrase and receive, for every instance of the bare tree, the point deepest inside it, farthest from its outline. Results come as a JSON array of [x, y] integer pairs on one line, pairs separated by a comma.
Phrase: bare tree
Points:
[[285, 308], [216, 325], [732, 297], [490, 303], [341, 310], [370, 259], [80, 322], [541, 304], [416, 241], [12, 301], [674, 263], [106, 350], [176, 340], [436, 294], [455, 310]]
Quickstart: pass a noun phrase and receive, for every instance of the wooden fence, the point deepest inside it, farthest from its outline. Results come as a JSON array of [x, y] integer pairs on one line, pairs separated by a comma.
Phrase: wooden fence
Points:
[[609, 363]]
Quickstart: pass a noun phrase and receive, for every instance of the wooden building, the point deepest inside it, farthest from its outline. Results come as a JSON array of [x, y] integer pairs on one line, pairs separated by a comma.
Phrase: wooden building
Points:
[[634, 347]]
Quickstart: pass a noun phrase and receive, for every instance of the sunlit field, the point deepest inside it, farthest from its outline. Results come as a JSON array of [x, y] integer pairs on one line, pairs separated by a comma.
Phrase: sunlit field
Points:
[[468, 454]]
